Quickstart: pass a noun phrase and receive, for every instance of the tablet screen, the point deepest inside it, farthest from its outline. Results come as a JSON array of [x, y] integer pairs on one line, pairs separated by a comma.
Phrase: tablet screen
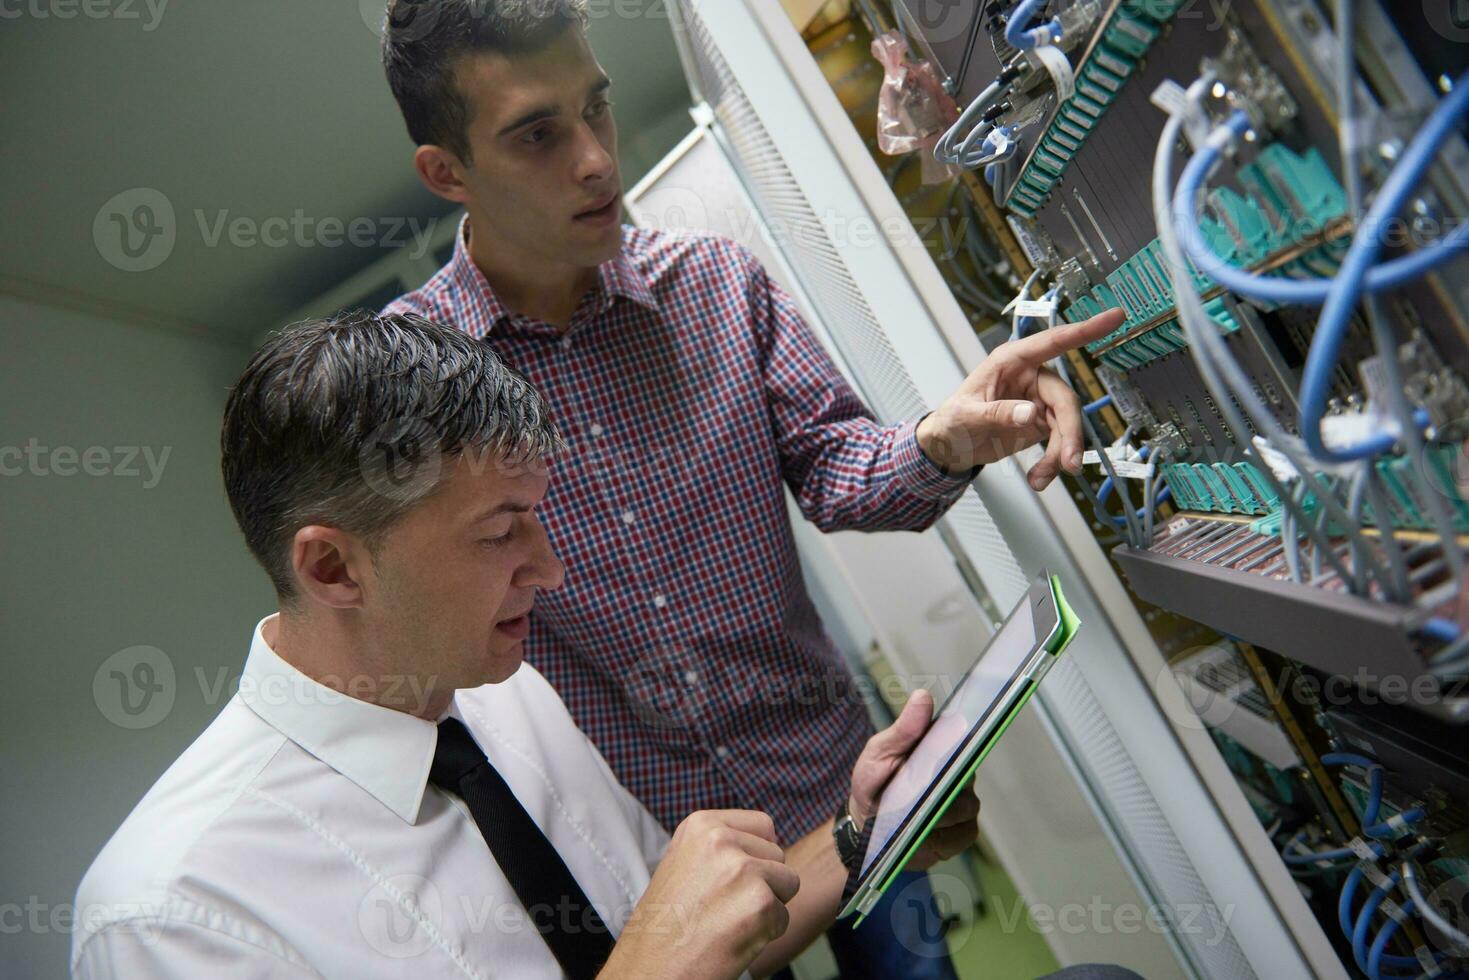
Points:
[[973, 699]]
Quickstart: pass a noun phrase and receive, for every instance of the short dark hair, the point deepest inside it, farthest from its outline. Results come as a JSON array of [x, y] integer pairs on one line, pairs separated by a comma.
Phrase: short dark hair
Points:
[[424, 39], [348, 422]]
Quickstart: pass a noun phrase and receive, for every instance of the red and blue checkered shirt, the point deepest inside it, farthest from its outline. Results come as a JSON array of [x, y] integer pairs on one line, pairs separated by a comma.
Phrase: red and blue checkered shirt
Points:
[[684, 642]]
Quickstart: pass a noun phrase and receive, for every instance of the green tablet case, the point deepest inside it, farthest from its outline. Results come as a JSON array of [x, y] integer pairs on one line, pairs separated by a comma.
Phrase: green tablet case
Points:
[[1059, 641]]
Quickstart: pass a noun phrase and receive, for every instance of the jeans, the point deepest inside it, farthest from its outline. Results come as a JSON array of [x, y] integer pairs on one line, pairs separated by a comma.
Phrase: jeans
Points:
[[902, 937]]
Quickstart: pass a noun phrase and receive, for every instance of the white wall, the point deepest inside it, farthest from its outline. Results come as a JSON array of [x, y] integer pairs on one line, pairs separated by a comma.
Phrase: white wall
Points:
[[94, 564]]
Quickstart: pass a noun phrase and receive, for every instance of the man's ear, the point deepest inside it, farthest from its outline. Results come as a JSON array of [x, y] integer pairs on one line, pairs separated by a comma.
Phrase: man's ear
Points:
[[441, 172], [330, 565]]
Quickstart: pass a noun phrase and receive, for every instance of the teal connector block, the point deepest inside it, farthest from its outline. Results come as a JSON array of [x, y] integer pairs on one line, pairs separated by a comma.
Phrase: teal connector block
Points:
[[1159, 10], [1130, 35], [1246, 225], [1299, 193], [1266, 496], [1443, 479], [1133, 26], [1219, 490], [1181, 483]]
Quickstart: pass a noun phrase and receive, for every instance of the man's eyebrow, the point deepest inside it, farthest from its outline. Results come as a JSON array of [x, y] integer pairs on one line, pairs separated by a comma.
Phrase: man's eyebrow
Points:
[[506, 507], [534, 116], [551, 112]]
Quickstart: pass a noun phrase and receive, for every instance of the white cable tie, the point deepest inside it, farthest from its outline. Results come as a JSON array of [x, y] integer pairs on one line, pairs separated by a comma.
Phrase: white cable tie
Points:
[[1055, 63], [1363, 849], [1173, 99], [1373, 874]]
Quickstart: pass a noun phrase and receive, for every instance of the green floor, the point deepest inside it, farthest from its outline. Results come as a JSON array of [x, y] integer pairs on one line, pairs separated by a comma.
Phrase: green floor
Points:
[[987, 949]]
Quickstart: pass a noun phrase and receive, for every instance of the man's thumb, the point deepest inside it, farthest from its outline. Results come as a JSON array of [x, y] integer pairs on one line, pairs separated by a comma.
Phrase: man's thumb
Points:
[[1010, 414], [912, 722]]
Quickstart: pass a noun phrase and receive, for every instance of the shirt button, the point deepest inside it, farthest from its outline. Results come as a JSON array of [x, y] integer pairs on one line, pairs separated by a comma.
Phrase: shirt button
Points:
[[566, 343], [691, 677], [722, 751], [628, 517], [597, 429], [660, 600]]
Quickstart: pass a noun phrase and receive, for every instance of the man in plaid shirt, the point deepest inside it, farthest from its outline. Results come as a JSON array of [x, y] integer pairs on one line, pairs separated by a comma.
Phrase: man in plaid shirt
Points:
[[691, 393]]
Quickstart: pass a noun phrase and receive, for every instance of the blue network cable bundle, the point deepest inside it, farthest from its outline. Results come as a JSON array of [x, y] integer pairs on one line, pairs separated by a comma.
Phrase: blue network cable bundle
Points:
[[1276, 194]]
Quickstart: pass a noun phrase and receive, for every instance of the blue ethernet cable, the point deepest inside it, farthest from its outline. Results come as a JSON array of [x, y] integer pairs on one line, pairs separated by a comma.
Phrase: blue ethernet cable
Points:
[[1443, 630], [1105, 491], [1374, 780], [1292, 292], [1363, 921], [1358, 272], [1371, 826], [1016, 34], [1092, 408], [1347, 289], [1377, 955], [1024, 324]]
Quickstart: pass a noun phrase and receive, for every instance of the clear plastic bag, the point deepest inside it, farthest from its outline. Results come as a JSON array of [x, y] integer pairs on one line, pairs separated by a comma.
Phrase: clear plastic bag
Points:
[[913, 110]]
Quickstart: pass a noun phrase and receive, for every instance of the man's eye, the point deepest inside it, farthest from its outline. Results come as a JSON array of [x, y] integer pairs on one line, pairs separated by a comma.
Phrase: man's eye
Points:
[[599, 109], [536, 136], [497, 542]]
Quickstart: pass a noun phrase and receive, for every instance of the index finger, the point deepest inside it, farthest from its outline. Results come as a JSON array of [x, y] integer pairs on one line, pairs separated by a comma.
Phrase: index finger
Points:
[[784, 880], [1039, 348], [750, 821]]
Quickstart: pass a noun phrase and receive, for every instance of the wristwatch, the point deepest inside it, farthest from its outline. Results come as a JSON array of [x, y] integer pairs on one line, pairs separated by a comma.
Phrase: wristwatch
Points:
[[850, 839]]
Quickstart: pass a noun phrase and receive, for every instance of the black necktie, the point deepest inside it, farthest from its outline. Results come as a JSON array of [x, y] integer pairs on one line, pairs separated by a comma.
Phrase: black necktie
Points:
[[562, 914]]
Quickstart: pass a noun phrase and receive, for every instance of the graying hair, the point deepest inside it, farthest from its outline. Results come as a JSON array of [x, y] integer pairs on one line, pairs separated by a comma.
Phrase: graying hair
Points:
[[349, 422]]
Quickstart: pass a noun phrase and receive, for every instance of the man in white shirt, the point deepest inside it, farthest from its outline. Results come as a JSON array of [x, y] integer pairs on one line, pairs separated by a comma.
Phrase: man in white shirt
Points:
[[330, 822]]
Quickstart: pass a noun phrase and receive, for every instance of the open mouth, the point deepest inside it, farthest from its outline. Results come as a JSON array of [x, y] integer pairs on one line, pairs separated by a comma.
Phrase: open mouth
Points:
[[517, 628]]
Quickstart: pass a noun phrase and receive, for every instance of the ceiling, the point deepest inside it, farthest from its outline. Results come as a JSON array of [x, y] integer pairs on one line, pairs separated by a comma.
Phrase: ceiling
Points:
[[271, 111]]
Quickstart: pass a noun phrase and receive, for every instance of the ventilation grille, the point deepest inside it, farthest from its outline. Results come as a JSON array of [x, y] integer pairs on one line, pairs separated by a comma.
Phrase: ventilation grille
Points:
[[1137, 819]]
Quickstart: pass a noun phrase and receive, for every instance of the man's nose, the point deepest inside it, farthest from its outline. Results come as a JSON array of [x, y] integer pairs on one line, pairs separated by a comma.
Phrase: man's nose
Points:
[[593, 161], [543, 570]]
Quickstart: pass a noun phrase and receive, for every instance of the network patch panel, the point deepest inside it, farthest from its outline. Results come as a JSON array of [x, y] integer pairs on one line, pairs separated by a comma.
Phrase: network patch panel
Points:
[[1293, 414]]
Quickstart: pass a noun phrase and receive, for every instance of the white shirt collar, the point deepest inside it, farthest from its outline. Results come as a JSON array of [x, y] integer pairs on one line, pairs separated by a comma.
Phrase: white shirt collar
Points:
[[386, 752]]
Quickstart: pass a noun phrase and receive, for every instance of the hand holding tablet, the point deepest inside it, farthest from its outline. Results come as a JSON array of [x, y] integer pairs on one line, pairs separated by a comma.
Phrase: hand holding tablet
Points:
[[916, 816]]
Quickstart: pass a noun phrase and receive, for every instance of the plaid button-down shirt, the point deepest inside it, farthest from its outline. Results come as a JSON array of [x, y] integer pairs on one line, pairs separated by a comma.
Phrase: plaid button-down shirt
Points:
[[684, 642]]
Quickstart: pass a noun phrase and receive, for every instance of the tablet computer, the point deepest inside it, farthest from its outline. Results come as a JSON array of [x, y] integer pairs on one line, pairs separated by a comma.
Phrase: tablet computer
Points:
[[972, 719]]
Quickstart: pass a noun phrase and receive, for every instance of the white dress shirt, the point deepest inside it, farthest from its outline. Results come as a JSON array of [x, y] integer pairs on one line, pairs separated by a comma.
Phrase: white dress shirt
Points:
[[299, 837]]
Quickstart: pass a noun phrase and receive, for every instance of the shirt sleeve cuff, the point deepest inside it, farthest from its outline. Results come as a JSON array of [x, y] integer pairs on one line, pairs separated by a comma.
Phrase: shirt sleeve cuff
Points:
[[921, 475]]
